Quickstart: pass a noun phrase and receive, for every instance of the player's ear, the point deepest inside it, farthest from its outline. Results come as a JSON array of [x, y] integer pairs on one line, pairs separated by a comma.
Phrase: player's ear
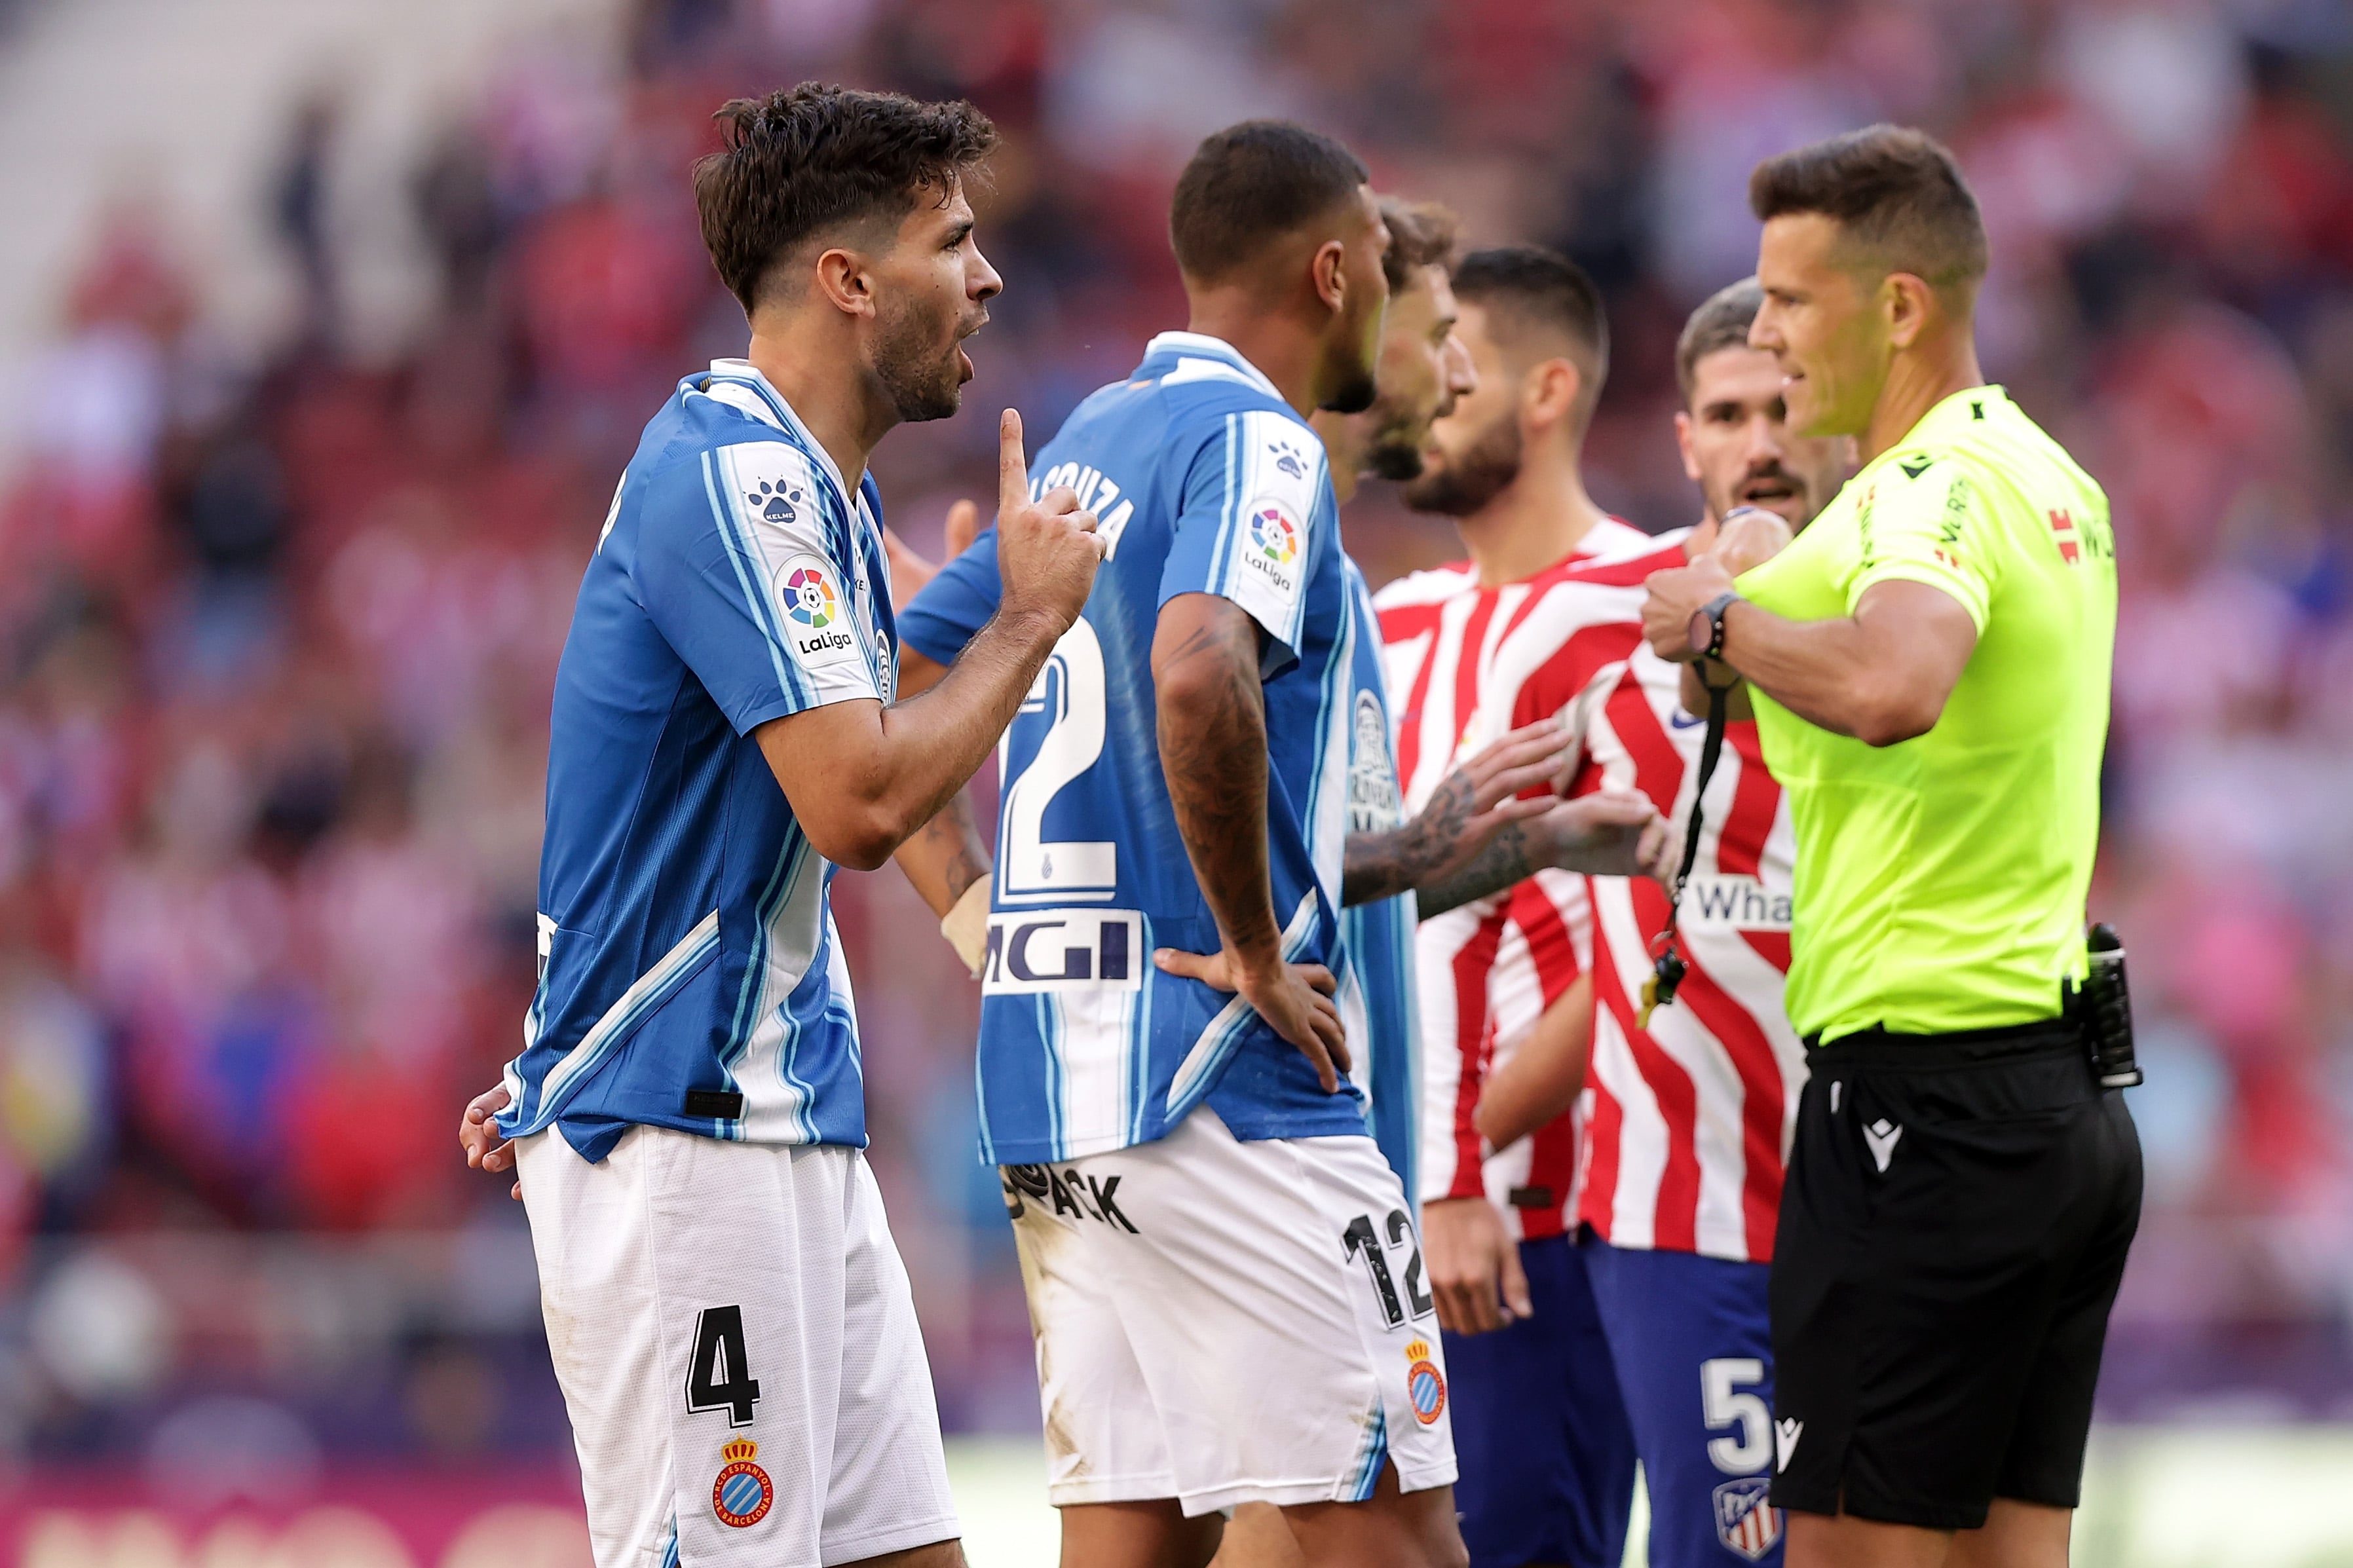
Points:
[[1905, 302], [1683, 445], [1329, 269], [842, 278], [1549, 393]]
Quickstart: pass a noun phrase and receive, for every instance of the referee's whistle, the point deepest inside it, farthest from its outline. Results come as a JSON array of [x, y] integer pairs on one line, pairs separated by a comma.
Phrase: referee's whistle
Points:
[[1659, 990]]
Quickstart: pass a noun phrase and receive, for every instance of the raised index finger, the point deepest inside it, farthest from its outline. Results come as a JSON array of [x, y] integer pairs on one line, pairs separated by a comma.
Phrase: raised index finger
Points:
[[1012, 464]]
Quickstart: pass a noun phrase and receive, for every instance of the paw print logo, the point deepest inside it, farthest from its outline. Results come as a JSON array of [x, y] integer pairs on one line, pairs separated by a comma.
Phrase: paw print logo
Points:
[[1287, 457], [778, 502]]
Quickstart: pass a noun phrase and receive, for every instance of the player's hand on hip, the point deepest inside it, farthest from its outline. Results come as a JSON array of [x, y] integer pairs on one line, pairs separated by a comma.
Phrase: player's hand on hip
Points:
[[1295, 999], [1047, 549], [1674, 596], [1474, 1266], [1749, 537], [478, 1134]]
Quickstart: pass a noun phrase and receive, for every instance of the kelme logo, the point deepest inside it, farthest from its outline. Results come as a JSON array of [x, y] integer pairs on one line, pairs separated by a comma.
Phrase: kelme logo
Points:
[[778, 502]]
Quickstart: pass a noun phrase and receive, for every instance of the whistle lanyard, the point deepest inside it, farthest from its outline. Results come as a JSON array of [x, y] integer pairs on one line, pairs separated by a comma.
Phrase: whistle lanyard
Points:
[[1668, 965]]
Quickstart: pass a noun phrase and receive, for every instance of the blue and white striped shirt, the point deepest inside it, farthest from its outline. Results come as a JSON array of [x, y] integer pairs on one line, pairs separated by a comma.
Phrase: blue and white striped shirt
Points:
[[689, 973], [1206, 481], [1378, 1003]]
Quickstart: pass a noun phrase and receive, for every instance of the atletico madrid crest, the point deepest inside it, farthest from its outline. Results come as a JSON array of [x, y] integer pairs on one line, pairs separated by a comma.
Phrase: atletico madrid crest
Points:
[[1746, 1521], [742, 1494]]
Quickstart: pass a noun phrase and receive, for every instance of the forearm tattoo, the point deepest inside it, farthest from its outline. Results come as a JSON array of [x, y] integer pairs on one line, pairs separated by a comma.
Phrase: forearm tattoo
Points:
[[1382, 865], [1214, 756], [1508, 860]]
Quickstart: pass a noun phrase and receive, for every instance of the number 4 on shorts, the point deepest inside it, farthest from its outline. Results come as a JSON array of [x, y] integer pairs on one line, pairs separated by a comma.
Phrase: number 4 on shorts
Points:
[[719, 1374]]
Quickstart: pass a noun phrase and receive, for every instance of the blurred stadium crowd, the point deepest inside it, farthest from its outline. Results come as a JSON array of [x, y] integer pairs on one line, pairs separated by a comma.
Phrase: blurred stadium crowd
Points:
[[280, 627]]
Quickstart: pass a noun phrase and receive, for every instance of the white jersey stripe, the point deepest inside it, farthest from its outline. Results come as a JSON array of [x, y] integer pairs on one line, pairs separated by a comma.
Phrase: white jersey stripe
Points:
[[1217, 1037], [648, 992]]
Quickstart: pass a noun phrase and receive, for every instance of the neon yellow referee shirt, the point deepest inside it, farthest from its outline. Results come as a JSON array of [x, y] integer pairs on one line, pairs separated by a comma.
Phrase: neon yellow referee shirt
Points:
[[1940, 882]]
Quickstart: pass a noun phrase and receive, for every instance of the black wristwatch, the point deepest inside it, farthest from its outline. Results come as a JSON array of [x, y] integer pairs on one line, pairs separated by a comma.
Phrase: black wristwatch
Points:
[[1706, 634]]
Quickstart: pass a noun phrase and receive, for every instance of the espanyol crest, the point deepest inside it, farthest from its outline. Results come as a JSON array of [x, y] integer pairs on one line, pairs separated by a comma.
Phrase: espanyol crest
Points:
[[1745, 1520]]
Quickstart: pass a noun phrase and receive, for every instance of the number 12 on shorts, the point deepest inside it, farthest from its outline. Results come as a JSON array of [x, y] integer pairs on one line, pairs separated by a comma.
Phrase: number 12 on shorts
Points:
[[718, 1373], [1363, 1240]]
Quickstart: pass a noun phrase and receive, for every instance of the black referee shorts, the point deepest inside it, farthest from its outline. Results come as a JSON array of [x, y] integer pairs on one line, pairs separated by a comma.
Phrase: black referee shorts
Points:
[[1952, 1230]]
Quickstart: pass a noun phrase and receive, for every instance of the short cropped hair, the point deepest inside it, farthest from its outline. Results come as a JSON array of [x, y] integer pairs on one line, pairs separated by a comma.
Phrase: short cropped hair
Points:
[[1251, 185], [1421, 234], [1722, 322], [1544, 290], [816, 158], [1896, 193]]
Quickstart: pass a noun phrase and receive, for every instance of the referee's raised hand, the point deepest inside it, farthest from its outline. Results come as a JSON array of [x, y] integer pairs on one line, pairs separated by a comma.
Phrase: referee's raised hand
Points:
[[1047, 549]]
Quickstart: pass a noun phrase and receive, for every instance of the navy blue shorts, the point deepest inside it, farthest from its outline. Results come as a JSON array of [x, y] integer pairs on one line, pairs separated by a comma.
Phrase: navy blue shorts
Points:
[[1545, 1456], [1692, 1340]]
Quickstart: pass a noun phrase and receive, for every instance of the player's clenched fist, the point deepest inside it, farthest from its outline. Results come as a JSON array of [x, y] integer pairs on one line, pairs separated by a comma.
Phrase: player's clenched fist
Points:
[[1047, 549]]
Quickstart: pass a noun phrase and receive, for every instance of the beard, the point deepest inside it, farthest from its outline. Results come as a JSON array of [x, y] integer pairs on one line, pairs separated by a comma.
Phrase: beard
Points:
[[923, 379], [1470, 481], [1395, 452]]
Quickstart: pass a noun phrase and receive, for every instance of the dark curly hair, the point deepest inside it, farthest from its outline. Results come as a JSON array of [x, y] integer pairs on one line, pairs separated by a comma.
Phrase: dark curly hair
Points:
[[812, 160]]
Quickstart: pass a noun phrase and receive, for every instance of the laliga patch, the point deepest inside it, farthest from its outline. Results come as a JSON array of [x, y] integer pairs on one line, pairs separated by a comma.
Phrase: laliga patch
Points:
[[1425, 1385], [1745, 1520], [816, 612], [1273, 544], [742, 1494]]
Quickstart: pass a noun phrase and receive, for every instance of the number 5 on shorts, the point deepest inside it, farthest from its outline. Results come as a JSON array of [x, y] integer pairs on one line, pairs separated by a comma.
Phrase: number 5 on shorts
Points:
[[1718, 1381], [718, 1373]]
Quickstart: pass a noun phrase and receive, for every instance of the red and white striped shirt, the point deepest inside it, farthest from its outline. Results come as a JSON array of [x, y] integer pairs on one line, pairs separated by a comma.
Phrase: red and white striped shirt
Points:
[[1485, 971], [1687, 1123]]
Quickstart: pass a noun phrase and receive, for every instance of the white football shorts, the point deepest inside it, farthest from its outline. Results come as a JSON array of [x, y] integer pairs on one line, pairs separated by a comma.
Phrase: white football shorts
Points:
[[1222, 1322], [738, 1350]]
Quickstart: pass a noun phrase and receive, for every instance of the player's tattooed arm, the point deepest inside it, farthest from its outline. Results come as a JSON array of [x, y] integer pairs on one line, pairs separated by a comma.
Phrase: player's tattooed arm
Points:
[[1467, 809], [1609, 833], [1211, 722], [945, 856]]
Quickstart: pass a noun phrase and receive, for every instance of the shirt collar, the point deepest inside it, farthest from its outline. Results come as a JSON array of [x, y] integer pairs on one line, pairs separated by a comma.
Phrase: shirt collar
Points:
[[743, 371], [1953, 407], [1198, 345]]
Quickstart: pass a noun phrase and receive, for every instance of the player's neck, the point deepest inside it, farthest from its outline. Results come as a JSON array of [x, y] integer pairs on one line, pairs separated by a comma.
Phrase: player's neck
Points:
[[1339, 451], [1535, 524], [1920, 378], [827, 383], [1271, 341]]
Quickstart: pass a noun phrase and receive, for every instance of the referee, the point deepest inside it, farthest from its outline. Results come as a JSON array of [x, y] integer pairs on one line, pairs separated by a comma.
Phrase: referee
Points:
[[1928, 666]]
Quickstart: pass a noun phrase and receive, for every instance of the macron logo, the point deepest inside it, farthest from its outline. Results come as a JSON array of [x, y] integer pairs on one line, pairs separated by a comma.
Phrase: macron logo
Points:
[[1882, 1135], [1785, 1441]]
